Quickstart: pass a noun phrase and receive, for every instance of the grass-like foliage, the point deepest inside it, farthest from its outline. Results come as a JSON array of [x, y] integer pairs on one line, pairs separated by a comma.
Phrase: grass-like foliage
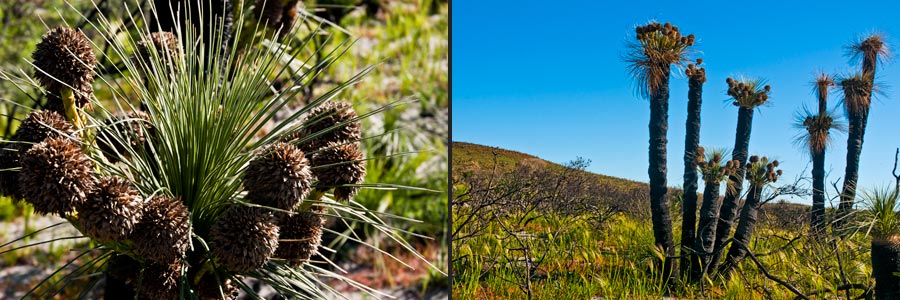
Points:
[[880, 214], [815, 135], [658, 47], [187, 123]]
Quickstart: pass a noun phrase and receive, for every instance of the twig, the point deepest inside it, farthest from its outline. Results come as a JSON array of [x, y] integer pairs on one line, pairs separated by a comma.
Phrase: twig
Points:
[[765, 271], [894, 171], [779, 249]]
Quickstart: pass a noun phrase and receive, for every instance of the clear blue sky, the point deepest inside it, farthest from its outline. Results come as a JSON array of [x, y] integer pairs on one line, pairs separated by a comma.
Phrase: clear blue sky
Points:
[[546, 78]]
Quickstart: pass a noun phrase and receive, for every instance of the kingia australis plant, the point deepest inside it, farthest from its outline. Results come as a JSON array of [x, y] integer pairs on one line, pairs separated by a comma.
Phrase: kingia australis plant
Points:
[[714, 170], [883, 223], [815, 138], [858, 90], [748, 94], [191, 193], [759, 172], [650, 59], [696, 79]]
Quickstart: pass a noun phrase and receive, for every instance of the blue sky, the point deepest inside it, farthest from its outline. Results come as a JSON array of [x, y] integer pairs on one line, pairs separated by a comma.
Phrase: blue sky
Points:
[[547, 78]]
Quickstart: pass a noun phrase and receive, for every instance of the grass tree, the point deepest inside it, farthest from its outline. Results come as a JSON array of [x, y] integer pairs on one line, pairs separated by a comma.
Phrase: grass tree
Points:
[[714, 170], [696, 79], [759, 173], [815, 137], [883, 223], [748, 94], [194, 194], [650, 58], [857, 100]]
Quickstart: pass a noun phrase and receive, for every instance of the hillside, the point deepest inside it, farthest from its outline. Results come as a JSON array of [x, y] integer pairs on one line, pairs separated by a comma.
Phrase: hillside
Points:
[[628, 196], [468, 157]]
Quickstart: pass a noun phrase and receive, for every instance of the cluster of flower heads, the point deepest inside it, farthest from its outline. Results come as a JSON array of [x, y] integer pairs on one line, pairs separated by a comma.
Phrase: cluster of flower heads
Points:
[[710, 165], [57, 177], [695, 73], [666, 30], [817, 126], [323, 156], [46, 165], [760, 171], [747, 94]]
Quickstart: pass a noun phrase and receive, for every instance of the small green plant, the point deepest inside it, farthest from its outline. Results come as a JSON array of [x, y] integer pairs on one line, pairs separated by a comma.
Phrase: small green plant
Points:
[[881, 217]]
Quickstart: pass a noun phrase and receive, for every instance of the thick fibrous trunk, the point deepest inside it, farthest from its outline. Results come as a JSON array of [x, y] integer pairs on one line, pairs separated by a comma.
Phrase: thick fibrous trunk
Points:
[[691, 143], [735, 182], [706, 230], [817, 217], [659, 201], [885, 262], [855, 133], [745, 228]]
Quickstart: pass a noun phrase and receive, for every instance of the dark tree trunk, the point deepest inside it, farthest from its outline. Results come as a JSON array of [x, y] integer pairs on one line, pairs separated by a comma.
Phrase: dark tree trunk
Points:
[[691, 143], [733, 189], [706, 230], [817, 217], [886, 261], [659, 201], [855, 133], [744, 231]]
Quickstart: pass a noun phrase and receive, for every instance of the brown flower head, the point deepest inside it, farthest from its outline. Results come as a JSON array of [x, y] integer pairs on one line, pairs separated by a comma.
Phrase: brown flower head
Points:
[[67, 56], [301, 234], [244, 238], [318, 124], [280, 177], [336, 165], [56, 176], [112, 211], [163, 233], [39, 125], [166, 46]]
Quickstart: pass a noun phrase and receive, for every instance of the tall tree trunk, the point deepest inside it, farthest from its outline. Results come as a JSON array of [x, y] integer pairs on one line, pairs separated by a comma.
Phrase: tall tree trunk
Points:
[[886, 261], [659, 201], [691, 143], [817, 216], [855, 133], [706, 231], [744, 231], [735, 183]]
